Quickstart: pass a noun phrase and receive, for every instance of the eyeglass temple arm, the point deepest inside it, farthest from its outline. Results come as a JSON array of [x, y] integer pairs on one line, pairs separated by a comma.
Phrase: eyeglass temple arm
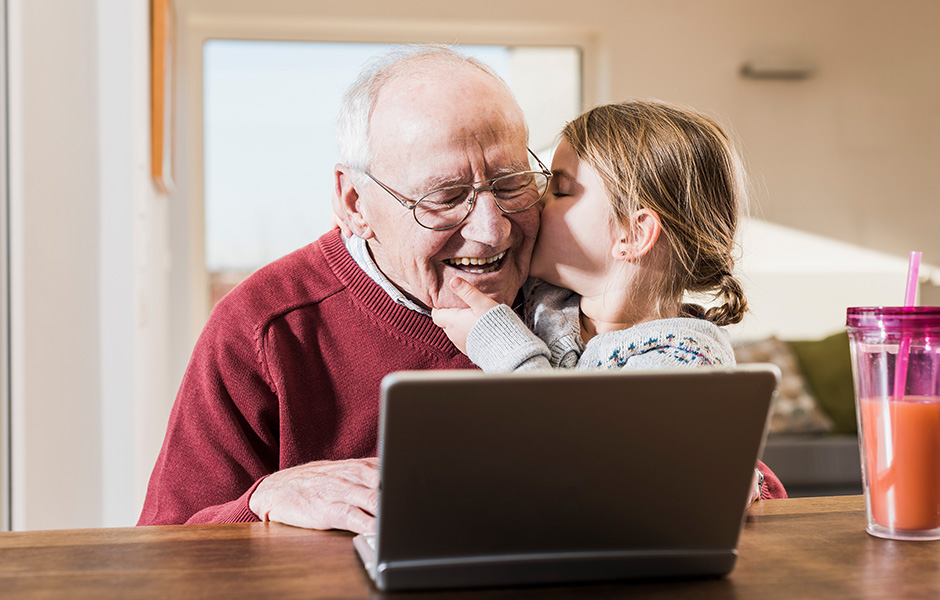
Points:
[[541, 164], [404, 202]]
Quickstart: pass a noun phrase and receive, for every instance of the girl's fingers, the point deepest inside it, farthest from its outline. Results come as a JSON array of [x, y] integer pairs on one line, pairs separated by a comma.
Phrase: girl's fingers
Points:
[[478, 302]]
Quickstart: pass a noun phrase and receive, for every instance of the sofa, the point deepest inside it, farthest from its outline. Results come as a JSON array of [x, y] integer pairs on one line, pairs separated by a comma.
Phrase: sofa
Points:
[[813, 444]]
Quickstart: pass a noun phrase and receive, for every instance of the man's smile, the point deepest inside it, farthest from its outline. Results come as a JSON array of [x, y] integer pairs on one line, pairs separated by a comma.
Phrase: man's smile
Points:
[[477, 265]]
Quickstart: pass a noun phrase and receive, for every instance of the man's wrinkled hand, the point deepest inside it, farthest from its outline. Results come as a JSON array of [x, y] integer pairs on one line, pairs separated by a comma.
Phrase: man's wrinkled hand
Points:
[[457, 322], [321, 495]]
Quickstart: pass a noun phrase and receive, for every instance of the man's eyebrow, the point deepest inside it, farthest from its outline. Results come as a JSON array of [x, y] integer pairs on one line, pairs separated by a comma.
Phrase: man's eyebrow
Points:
[[440, 181], [509, 170]]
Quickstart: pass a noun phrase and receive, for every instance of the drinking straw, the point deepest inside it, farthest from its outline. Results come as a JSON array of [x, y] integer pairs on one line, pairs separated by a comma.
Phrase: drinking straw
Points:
[[900, 372]]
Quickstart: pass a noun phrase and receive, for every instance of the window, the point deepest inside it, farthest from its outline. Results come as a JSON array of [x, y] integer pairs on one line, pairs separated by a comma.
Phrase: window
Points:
[[269, 146]]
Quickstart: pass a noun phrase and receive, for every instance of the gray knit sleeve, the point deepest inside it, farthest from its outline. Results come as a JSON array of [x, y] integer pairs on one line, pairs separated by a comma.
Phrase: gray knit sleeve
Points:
[[499, 342], [554, 315]]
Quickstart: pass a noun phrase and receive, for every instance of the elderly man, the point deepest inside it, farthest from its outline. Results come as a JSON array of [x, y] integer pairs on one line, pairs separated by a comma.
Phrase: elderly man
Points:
[[277, 414]]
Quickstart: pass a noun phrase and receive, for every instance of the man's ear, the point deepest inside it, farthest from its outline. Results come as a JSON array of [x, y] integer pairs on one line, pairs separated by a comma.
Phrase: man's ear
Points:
[[346, 203], [639, 237]]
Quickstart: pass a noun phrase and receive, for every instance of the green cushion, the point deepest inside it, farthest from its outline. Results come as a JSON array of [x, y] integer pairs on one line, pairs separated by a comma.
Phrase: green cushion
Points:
[[827, 368]]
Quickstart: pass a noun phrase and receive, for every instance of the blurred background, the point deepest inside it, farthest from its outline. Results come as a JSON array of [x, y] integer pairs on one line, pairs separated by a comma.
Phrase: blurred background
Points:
[[107, 279]]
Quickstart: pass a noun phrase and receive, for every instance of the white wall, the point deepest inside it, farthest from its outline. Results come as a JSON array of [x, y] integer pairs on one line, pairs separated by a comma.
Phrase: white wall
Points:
[[136, 388], [848, 153], [87, 253], [116, 172], [799, 284], [54, 264]]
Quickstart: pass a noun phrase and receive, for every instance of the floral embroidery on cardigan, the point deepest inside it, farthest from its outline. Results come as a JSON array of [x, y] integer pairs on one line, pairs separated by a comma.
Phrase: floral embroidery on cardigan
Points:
[[687, 351]]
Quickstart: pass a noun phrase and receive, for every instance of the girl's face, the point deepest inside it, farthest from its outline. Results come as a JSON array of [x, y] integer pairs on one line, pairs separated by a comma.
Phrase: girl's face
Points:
[[574, 242]]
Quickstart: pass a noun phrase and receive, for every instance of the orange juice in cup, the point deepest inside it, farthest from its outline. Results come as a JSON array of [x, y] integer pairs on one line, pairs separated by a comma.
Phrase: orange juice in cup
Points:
[[901, 440], [896, 370]]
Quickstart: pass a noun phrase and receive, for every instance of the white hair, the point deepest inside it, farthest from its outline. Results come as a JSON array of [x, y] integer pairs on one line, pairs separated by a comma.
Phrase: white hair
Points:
[[355, 112]]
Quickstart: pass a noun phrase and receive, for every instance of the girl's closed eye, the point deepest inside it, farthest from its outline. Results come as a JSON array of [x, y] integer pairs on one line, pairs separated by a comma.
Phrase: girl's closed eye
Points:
[[562, 185]]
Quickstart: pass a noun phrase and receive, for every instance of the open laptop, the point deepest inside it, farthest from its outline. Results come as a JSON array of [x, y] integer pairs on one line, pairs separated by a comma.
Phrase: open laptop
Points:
[[563, 476]]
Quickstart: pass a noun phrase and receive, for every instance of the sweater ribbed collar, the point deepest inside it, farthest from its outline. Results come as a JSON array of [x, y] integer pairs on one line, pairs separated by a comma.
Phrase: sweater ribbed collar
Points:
[[359, 250], [377, 299]]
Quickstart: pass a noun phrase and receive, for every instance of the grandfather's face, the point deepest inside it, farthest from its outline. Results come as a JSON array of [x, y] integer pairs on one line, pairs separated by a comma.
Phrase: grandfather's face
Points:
[[440, 129]]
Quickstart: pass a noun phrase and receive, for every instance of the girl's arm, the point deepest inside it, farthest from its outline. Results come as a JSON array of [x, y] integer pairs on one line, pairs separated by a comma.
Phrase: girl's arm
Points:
[[491, 334], [499, 342]]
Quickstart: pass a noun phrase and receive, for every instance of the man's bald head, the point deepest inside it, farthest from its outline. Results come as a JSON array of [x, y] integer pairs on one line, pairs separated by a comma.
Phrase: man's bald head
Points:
[[427, 63]]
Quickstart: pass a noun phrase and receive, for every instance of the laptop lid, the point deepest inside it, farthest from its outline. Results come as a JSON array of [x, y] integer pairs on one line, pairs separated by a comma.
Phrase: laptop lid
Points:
[[565, 475]]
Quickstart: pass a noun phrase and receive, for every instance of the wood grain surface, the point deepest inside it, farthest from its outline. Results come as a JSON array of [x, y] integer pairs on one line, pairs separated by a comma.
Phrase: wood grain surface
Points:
[[797, 548]]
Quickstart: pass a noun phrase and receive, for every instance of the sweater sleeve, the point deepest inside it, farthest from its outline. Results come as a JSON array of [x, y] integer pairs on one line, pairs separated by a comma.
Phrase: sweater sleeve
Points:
[[221, 440], [773, 487], [554, 315], [236, 511], [499, 342]]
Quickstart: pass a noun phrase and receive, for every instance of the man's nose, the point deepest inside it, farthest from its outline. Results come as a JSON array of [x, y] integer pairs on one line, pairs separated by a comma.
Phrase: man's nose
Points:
[[486, 223]]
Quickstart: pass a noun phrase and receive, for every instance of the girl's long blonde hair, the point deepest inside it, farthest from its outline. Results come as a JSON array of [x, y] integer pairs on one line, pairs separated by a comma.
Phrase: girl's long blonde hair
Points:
[[681, 165]]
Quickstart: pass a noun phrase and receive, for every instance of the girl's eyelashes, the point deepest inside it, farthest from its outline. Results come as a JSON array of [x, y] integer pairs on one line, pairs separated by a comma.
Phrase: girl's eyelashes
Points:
[[555, 191], [563, 185]]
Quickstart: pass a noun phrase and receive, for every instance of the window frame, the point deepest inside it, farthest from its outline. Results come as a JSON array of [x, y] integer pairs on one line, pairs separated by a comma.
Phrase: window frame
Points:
[[190, 279]]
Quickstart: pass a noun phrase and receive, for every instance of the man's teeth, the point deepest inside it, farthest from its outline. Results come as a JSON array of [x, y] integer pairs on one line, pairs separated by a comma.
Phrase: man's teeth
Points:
[[476, 261]]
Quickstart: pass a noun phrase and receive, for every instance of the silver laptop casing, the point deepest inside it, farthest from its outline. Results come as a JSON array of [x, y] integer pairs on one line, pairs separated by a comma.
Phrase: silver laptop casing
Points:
[[564, 476]]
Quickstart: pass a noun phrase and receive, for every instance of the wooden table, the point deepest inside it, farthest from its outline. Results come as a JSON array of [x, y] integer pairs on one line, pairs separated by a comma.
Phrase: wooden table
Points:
[[800, 548]]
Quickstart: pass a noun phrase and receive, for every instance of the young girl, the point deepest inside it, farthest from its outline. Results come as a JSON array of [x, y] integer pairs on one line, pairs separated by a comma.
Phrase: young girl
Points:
[[641, 210]]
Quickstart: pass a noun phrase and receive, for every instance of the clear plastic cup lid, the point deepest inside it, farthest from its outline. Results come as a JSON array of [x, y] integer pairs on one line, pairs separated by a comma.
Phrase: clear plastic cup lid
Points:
[[894, 318]]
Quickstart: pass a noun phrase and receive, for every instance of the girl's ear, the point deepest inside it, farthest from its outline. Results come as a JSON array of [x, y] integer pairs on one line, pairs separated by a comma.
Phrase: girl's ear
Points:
[[639, 237], [346, 205]]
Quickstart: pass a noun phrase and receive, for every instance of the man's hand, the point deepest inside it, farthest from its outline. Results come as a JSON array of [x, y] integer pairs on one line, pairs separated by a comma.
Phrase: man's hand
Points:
[[457, 322], [321, 495]]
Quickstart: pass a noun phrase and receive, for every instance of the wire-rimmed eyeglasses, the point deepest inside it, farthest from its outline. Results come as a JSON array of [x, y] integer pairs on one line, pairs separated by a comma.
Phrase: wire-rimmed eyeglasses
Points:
[[449, 206]]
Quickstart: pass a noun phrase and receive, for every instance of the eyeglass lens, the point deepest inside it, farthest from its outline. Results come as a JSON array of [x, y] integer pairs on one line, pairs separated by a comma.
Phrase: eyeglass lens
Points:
[[448, 206]]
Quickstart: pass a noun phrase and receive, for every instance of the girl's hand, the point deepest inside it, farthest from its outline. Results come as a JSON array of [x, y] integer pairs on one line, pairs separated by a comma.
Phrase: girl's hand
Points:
[[457, 322], [757, 486]]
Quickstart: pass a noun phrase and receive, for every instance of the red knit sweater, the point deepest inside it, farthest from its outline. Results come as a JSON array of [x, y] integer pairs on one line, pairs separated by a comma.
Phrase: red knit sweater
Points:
[[287, 371]]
